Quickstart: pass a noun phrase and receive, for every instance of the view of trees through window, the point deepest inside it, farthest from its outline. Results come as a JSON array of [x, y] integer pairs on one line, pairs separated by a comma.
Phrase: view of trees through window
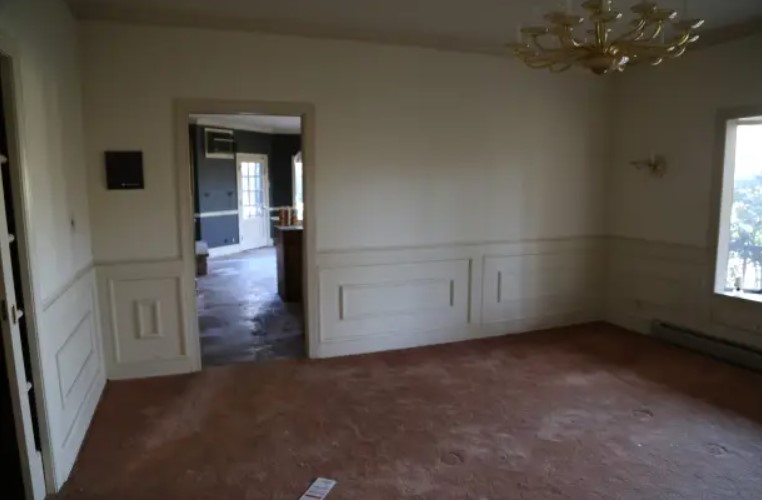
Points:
[[745, 253]]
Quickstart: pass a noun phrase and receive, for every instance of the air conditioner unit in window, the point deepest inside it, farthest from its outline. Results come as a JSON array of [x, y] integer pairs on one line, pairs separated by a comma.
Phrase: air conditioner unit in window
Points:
[[219, 143]]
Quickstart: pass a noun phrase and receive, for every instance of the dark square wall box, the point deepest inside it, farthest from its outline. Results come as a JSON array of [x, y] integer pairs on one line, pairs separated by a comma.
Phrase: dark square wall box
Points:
[[124, 170]]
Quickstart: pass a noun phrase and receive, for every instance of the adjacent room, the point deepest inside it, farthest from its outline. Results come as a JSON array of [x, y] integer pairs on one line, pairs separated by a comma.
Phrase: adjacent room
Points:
[[403, 249], [249, 208]]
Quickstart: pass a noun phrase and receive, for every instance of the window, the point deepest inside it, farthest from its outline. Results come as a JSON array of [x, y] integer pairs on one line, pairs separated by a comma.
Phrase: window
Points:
[[252, 189], [739, 250], [299, 186]]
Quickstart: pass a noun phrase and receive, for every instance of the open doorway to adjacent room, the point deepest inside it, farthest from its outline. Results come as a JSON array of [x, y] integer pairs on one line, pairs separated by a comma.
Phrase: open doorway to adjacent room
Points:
[[249, 207]]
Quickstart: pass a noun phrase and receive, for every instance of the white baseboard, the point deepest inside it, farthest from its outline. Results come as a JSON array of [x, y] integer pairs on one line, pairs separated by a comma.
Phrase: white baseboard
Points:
[[225, 251]]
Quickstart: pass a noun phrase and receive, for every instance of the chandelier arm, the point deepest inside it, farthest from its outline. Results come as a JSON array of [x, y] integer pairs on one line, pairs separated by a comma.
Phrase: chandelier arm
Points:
[[658, 31], [539, 64], [536, 42], [549, 59], [561, 69], [682, 40], [662, 50], [600, 34], [678, 52], [570, 41], [635, 32]]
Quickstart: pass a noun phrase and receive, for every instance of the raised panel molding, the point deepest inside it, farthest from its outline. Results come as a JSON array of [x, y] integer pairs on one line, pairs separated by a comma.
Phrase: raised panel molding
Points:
[[369, 300], [527, 287], [146, 319], [394, 298], [72, 369], [134, 309], [401, 297], [148, 313], [650, 280]]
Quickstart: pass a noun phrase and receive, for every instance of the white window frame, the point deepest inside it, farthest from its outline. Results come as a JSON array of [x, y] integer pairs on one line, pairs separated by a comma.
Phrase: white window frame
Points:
[[259, 210], [723, 187], [297, 158]]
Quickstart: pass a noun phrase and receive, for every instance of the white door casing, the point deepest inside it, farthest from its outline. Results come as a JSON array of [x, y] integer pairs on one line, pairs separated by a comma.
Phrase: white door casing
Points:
[[61, 325], [31, 458], [253, 201]]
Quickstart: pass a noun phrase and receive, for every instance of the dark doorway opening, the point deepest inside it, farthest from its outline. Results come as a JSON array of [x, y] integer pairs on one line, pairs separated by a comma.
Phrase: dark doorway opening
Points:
[[249, 207]]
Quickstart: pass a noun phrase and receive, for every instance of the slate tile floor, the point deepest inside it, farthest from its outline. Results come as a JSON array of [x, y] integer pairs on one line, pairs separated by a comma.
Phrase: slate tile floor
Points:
[[241, 316]]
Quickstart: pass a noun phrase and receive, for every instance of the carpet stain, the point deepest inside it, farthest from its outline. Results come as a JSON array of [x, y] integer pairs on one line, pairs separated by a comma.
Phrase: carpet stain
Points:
[[717, 450], [453, 458], [643, 414]]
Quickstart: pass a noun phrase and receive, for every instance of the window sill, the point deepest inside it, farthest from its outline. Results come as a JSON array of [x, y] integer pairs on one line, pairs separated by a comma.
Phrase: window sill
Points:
[[745, 296]]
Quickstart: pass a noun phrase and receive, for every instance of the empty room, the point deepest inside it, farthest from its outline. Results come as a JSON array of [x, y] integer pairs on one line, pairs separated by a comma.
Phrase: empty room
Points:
[[414, 249]]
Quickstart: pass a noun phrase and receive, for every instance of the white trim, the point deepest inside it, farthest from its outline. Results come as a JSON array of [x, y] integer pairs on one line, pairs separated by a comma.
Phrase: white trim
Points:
[[726, 206], [183, 109], [220, 213], [225, 250], [470, 301], [722, 195], [264, 161], [210, 121], [22, 202]]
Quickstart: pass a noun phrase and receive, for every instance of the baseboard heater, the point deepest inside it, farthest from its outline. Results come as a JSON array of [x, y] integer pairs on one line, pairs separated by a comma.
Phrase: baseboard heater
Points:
[[731, 352]]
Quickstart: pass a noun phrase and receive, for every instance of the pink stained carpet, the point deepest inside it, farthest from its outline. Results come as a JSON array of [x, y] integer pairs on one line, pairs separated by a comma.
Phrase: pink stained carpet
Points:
[[589, 412]]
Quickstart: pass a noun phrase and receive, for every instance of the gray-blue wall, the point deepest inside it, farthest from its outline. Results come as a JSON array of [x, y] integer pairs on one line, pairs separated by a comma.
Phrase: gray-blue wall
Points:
[[215, 180]]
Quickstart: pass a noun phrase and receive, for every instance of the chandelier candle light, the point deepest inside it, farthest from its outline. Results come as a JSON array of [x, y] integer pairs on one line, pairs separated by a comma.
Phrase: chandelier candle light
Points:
[[653, 35]]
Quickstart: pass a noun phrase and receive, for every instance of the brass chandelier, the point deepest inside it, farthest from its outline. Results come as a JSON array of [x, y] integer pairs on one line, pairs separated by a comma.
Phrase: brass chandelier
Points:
[[653, 36]]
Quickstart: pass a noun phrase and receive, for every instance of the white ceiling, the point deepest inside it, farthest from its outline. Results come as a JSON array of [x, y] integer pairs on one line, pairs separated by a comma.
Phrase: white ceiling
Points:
[[258, 123], [477, 25]]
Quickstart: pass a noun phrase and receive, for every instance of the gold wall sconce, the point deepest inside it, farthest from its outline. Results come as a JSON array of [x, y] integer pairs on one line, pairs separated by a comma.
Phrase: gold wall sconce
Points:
[[655, 164]]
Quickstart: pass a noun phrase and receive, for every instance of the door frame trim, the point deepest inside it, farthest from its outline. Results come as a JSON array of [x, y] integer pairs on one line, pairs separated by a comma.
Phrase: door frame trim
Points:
[[19, 171], [183, 109]]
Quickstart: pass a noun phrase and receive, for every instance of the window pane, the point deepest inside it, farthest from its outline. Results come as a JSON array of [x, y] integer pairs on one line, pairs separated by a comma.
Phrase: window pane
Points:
[[298, 189], [744, 271]]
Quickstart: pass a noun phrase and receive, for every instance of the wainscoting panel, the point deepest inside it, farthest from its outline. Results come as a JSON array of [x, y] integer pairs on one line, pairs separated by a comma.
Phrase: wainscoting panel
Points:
[[144, 319], [650, 281], [523, 287], [72, 368], [404, 297], [393, 299]]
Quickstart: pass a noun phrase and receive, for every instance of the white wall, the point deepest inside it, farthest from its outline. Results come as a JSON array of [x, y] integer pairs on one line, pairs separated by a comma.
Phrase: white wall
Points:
[[662, 262], [672, 110], [414, 148], [43, 38]]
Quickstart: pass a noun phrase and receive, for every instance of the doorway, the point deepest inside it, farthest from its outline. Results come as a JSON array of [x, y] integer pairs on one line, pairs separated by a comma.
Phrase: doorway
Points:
[[253, 201], [20, 440], [248, 236]]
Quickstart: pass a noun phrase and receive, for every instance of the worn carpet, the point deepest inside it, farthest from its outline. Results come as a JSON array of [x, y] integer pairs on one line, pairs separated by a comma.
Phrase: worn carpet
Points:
[[241, 316], [582, 413]]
